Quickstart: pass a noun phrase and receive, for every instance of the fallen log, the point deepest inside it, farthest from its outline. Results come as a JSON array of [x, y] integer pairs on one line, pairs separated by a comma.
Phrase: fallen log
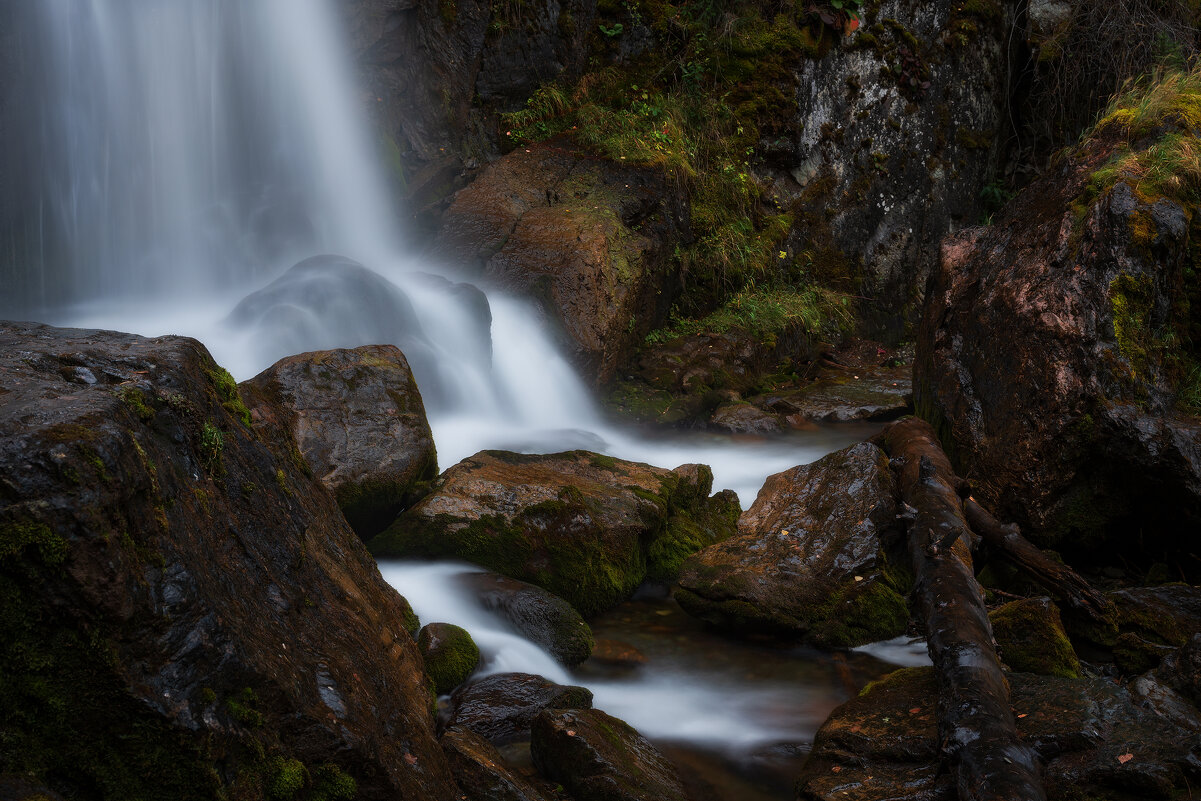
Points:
[[1059, 580], [975, 720]]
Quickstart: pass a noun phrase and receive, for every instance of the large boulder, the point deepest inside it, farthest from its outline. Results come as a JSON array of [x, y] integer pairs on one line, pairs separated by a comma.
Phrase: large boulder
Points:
[[481, 772], [1059, 348], [893, 135], [542, 617], [810, 559], [1093, 737], [600, 758], [184, 612], [359, 421], [589, 528], [589, 239]]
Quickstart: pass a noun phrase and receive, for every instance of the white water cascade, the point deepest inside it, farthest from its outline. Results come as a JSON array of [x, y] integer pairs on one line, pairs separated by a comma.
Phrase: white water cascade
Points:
[[176, 156]]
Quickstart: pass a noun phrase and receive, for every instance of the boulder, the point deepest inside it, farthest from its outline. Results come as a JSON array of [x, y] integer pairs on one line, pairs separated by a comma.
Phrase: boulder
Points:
[[1093, 738], [360, 423], [542, 617], [588, 528], [892, 137], [501, 707], [1030, 638], [869, 393], [481, 772], [600, 758], [358, 419], [1055, 350], [450, 655], [185, 613], [586, 238], [810, 559], [1182, 670]]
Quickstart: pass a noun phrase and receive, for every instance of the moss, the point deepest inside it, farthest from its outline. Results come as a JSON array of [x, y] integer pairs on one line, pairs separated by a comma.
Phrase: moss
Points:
[[602, 461], [858, 613], [227, 393], [288, 777], [1130, 300], [17, 536], [688, 531], [1031, 639], [372, 504], [330, 783], [211, 447], [136, 400], [450, 655], [241, 708]]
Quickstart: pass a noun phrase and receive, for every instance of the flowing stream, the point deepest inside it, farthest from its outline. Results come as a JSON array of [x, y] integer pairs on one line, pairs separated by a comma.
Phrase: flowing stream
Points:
[[174, 158]]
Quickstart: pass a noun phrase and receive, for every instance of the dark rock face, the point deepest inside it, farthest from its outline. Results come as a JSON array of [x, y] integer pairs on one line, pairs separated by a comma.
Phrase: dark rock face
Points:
[[481, 772], [600, 758], [437, 72], [1039, 365], [587, 238], [501, 707], [185, 612], [891, 142], [544, 618], [810, 557], [358, 418], [1094, 740], [589, 528]]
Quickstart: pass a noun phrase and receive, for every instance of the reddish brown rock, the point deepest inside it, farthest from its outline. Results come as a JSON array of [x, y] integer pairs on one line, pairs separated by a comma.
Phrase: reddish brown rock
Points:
[[810, 557], [587, 527], [501, 707], [180, 599], [359, 421], [481, 772], [588, 239]]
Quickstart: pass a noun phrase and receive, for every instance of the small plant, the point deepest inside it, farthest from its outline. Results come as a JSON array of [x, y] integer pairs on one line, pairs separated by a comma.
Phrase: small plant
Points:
[[212, 443]]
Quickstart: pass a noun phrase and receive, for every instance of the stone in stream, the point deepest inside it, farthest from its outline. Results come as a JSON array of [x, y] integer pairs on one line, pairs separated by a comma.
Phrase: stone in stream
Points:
[[600, 758], [450, 655], [184, 611], [1094, 739], [587, 527], [359, 420], [810, 559], [1030, 638], [501, 707], [542, 617], [480, 770]]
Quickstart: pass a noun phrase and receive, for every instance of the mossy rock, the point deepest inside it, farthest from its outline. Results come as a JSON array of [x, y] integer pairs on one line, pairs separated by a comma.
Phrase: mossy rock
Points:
[[450, 655], [1031, 638]]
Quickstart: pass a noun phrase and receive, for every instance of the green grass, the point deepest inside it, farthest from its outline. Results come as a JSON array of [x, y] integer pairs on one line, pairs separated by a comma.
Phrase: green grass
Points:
[[765, 314]]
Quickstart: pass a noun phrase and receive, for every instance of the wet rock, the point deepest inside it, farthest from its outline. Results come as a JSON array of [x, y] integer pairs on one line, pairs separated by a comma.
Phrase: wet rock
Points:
[[588, 528], [177, 590], [615, 653], [600, 758], [542, 617], [586, 238], [359, 421], [810, 558], [744, 418], [1039, 362], [1182, 670], [1094, 739], [481, 772], [872, 393], [887, 131], [450, 655], [1030, 638], [501, 707]]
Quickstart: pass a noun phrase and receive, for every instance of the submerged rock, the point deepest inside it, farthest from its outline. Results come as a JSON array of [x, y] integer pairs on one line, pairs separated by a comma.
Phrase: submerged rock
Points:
[[450, 655], [501, 707], [587, 238], [1093, 738], [587, 527], [184, 612], [541, 616], [810, 558], [600, 758], [358, 418]]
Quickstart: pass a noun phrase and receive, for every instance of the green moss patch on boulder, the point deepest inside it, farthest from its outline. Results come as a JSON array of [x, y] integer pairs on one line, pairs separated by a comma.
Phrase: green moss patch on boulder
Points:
[[450, 655], [577, 524], [1030, 638]]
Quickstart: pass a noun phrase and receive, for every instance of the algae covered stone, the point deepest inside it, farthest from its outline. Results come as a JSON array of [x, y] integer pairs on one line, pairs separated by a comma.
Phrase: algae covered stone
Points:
[[450, 655], [1031, 639], [811, 559], [587, 527]]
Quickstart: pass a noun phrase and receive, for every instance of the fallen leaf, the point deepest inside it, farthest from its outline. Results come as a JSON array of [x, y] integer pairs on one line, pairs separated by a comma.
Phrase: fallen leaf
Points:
[[412, 760], [571, 732], [1124, 758], [835, 769], [915, 710], [1022, 715], [858, 578]]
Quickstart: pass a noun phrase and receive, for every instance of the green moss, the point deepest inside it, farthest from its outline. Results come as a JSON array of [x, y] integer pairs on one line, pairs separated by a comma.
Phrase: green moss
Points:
[[288, 777], [227, 393], [1031, 639], [17, 536], [241, 708], [696, 523], [136, 400], [450, 655], [1130, 300], [211, 447], [330, 783], [602, 461], [858, 613], [766, 314]]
